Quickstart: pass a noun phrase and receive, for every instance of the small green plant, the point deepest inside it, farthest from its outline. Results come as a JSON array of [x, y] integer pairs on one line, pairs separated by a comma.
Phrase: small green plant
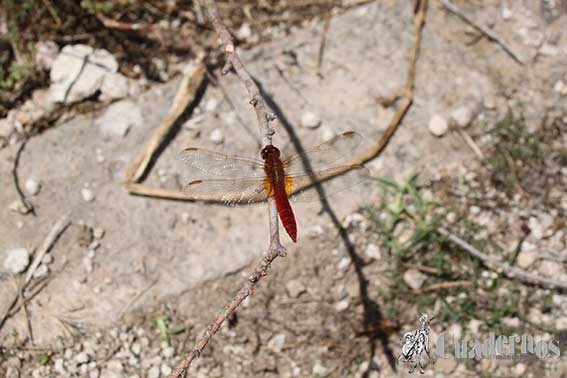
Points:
[[165, 330]]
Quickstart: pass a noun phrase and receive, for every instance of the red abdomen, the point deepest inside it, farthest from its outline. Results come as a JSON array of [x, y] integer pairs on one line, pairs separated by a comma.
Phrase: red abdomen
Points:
[[285, 212], [274, 170]]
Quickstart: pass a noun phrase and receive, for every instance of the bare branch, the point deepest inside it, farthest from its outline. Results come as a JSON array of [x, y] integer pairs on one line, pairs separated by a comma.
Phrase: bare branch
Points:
[[504, 267], [275, 249], [484, 30]]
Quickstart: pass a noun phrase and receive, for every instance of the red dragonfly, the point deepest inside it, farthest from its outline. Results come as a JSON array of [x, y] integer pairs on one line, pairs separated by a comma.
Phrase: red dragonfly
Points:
[[245, 180]]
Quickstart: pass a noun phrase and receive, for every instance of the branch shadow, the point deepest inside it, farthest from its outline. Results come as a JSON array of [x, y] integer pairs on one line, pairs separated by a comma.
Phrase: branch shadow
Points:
[[372, 313]]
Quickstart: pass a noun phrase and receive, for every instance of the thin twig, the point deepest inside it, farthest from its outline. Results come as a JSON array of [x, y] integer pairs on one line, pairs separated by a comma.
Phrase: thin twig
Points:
[[502, 266], [51, 238], [275, 248], [322, 41], [471, 143], [185, 94], [484, 30], [136, 298], [28, 206], [441, 286]]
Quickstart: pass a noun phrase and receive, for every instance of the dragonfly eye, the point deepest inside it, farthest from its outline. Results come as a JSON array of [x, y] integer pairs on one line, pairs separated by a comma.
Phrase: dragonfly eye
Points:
[[268, 150]]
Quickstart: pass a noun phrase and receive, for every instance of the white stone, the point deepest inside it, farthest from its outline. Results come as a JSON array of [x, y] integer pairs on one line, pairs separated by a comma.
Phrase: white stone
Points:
[[277, 342], [343, 264], [295, 288], [211, 105], [119, 118], [506, 13], [32, 186], [561, 88], [342, 305], [45, 54], [319, 369], [310, 120], [115, 365], [455, 331], [154, 372], [41, 271], [462, 116], [168, 352], [414, 278], [244, 32], [327, 133], [82, 358], [88, 195], [114, 86], [474, 326], [526, 259], [47, 259], [58, 365], [78, 72], [373, 252], [550, 268], [438, 125], [511, 322], [519, 370], [216, 136], [165, 369], [98, 233], [17, 260]]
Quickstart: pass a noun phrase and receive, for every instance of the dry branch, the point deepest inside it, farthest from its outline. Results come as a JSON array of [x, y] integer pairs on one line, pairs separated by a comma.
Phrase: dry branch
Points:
[[484, 30], [504, 267], [53, 235]]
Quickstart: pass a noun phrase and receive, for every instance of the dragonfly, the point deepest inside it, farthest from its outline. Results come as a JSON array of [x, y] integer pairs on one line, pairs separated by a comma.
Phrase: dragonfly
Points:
[[306, 176]]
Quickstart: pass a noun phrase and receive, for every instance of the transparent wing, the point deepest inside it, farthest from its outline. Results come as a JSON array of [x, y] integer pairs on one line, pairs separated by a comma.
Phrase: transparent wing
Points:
[[325, 183], [219, 164], [230, 191], [334, 150]]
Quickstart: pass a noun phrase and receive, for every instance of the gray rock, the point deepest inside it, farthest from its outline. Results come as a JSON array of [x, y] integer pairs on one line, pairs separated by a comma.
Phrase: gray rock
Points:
[[7, 127], [414, 278], [438, 125], [114, 86], [310, 120], [78, 72], [17, 260], [45, 54], [119, 118]]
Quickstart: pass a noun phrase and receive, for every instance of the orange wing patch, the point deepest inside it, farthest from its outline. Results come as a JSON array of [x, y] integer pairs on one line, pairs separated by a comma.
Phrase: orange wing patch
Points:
[[268, 186], [288, 184]]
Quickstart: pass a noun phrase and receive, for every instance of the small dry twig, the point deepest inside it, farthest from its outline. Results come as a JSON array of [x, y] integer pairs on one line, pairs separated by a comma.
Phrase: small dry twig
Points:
[[441, 286], [484, 30], [51, 238], [504, 267]]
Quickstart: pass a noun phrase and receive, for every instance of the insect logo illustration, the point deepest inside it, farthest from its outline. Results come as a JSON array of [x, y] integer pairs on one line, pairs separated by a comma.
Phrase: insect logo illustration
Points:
[[415, 343]]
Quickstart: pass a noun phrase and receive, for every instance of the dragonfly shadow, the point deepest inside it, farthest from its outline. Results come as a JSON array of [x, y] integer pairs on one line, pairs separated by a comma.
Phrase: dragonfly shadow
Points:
[[372, 312]]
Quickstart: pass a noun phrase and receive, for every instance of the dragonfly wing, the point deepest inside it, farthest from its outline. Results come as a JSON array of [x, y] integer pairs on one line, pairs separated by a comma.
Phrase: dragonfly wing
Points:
[[328, 182], [230, 191], [330, 152], [219, 164]]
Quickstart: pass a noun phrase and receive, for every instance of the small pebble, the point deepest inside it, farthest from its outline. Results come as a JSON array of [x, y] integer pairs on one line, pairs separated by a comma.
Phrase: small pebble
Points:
[[462, 116], [153, 372], [277, 342], [168, 352], [342, 305], [310, 120], [343, 264], [438, 125], [373, 252], [82, 358], [244, 32], [41, 271], [97, 290], [295, 288], [32, 187], [561, 88], [216, 136], [88, 195], [414, 278], [17, 260], [47, 259], [98, 233], [91, 253], [211, 105]]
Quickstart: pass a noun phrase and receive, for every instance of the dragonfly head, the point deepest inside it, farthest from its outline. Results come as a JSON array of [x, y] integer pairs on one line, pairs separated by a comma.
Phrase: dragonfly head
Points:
[[269, 150]]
